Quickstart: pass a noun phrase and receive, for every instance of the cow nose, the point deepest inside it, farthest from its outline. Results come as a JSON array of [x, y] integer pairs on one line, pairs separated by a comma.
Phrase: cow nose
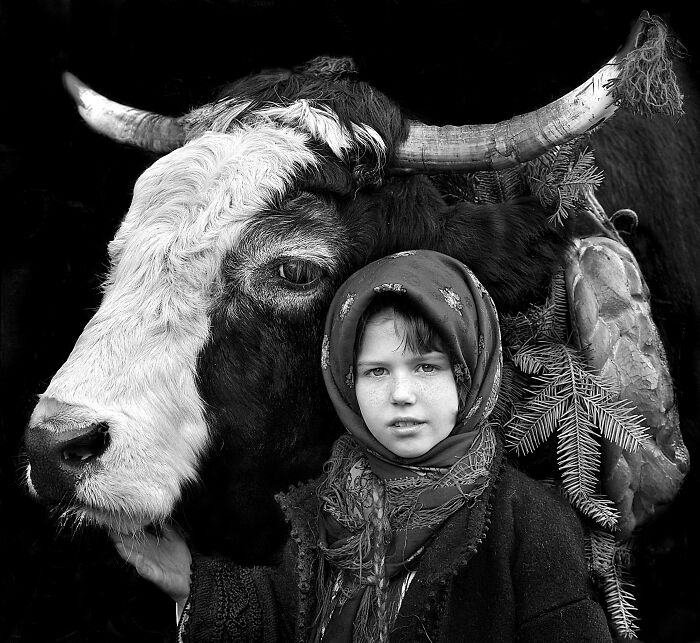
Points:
[[88, 445], [59, 457]]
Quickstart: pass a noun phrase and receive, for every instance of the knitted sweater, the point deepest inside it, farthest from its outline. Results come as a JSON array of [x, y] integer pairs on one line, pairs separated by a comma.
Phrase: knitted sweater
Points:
[[511, 568]]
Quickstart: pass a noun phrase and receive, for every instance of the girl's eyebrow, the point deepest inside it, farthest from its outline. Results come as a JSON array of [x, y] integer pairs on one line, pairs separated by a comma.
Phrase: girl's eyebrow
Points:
[[416, 357], [368, 362], [430, 355]]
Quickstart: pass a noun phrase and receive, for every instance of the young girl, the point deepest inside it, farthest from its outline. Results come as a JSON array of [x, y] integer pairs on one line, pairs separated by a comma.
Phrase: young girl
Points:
[[418, 529]]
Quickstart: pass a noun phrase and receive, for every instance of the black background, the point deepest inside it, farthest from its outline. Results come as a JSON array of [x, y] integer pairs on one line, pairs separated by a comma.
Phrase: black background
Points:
[[63, 191]]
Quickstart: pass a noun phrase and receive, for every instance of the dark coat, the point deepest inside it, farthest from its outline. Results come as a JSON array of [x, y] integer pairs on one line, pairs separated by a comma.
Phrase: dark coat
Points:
[[512, 568]]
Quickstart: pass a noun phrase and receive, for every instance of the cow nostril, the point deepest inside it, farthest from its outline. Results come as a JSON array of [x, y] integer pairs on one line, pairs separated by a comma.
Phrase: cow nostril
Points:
[[79, 451]]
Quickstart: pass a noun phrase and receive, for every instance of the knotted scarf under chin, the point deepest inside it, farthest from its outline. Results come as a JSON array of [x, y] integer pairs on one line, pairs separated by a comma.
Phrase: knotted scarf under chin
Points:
[[374, 529]]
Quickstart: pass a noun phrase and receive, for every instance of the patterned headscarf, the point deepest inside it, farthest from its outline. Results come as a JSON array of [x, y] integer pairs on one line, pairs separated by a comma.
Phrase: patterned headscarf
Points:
[[378, 509], [453, 301]]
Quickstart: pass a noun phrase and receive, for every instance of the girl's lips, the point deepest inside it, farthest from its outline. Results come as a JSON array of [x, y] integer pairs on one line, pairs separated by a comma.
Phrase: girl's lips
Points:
[[406, 424]]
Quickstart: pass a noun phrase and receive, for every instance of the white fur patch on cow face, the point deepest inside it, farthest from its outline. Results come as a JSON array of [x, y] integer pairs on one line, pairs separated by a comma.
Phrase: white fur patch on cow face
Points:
[[351, 141], [134, 366], [323, 125]]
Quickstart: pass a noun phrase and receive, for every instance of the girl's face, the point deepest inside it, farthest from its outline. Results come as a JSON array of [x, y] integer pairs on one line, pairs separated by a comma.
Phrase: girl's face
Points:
[[408, 400]]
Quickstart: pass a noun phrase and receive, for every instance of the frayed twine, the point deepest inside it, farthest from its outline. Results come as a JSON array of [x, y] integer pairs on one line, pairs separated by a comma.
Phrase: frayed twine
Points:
[[647, 84]]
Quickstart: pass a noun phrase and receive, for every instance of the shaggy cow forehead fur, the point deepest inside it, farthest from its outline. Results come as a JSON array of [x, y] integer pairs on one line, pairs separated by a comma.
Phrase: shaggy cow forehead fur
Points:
[[190, 201]]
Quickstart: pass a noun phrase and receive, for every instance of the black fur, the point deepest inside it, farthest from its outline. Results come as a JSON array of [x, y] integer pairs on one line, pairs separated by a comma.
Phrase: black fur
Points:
[[510, 246]]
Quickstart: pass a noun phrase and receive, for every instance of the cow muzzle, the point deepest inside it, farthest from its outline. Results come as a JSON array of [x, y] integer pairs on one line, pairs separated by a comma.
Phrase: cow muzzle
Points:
[[59, 458]]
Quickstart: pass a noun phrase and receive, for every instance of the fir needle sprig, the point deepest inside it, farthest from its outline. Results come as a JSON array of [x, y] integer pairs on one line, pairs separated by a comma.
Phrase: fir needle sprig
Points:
[[609, 563], [561, 177]]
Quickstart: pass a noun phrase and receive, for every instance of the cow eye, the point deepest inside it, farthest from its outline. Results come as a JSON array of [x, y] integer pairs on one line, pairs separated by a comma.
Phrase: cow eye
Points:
[[299, 272]]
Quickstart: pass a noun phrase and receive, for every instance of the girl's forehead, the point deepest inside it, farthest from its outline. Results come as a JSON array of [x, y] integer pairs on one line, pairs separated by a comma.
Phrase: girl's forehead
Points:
[[383, 329], [406, 329], [388, 335]]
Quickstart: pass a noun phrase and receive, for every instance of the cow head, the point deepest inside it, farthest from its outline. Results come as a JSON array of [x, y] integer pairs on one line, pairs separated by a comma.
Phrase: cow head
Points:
[[210, 244], [202, 359]]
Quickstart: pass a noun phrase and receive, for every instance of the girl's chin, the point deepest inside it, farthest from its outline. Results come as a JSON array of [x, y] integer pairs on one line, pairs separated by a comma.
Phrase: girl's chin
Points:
[[408, 448]]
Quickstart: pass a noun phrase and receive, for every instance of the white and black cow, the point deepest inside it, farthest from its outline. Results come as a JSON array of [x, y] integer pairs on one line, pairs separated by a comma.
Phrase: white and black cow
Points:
[[201, 364]]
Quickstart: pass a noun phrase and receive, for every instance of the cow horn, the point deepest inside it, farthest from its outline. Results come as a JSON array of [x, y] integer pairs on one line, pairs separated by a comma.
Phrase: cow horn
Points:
[[432, 148], [143, 129]]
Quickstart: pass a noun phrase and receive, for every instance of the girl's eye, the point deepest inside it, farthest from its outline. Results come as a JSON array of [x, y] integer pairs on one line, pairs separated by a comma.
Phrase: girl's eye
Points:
[[427, 368], [376, 372]]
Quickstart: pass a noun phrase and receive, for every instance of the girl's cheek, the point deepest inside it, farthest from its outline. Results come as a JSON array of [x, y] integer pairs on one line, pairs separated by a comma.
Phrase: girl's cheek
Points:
[[377, 393], [371, 393], [432, 389]]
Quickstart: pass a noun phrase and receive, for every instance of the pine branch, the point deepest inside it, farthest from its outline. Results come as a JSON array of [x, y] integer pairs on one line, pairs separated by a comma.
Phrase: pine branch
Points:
[[531, 359], [497, 186], [526, 436], [548, 321], [619, 601], [513, 389], [617, 423], [560, 178], [598, 508], [555, 316], [519, 329], [608, 564], [578, 453], [568, 399], [600, 551]]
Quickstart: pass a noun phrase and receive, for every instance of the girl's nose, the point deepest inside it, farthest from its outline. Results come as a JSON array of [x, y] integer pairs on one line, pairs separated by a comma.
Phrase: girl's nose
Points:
[[402, 392]]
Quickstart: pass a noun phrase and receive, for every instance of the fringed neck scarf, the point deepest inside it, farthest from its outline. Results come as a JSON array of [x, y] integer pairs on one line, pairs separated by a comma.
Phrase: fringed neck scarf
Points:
[[378, 511]]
